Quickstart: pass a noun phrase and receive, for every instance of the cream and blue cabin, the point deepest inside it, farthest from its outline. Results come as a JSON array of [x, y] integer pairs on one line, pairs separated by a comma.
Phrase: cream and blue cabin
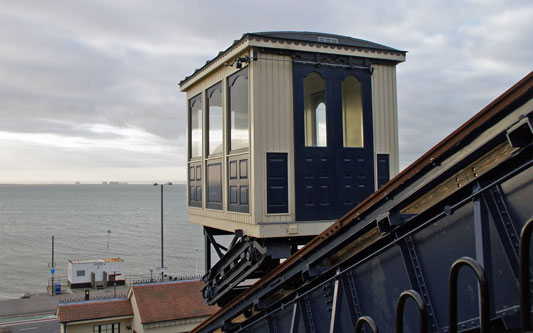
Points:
[[287, 131]]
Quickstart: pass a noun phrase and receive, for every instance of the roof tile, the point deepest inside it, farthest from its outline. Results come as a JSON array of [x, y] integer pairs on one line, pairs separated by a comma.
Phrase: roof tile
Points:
[[94, 310], [171, 301]]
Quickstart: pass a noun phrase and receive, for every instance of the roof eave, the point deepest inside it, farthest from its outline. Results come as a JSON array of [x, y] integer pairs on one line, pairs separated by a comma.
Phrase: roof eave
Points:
[[257, 40]]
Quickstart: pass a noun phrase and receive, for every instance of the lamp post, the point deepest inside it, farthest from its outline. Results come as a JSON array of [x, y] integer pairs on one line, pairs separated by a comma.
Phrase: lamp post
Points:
[[162, 262]]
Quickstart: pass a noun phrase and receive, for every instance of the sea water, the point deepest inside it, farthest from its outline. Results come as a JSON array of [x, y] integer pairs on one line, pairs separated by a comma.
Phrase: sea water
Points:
[[92, 222]]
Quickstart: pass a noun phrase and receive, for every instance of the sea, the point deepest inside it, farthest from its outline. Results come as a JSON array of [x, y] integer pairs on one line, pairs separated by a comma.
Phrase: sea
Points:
[[92, 221]]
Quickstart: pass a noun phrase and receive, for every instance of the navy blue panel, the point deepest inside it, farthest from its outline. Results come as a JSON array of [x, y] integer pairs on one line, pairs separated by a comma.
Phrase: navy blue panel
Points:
[[504, 293], [243, 195], [243, 169], [324, 195], [347, 168], [379, 283], [348, 194], [317, 301], [277, 183], [308, 168], [331, 180], [214, 185], [383, 169], [324, 171], [283, 319], [233, 170], [360, 167], [309, 195], [455, 233]]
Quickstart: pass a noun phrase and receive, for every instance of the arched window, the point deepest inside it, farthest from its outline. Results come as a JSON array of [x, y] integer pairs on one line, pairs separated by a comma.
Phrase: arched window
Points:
[[352, 112], [195, 126], [238, 110], [214, 119], [315, 110]]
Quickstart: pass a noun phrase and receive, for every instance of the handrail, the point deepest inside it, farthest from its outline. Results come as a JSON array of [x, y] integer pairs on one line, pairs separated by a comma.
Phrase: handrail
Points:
[[525, 294], [361, 322], [421, 310], [483, 292]]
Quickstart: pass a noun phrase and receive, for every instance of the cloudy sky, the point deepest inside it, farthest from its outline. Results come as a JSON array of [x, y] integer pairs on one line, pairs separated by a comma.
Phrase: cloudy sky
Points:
[[88, 89]]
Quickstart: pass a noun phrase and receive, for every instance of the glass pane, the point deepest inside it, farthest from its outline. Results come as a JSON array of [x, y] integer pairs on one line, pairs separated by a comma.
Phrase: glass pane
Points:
[[238, 104], [352, 112], [195, 110], [215, 121], [315, 111]]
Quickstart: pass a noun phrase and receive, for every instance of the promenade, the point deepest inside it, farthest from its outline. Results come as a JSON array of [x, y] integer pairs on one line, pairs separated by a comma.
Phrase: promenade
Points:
[[42, 307]]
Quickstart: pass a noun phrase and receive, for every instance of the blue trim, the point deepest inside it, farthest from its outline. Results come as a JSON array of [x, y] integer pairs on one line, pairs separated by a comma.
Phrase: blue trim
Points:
[[383, 169], [331, 180], [277, 183]]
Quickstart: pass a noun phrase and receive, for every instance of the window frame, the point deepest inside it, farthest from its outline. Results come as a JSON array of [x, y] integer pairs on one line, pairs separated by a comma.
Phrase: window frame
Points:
[[196, 98], [208, 93], [230, 81], [115, 328]]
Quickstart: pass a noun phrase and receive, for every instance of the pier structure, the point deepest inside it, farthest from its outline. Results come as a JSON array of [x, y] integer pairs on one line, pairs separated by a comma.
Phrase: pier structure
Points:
[[287, 131]]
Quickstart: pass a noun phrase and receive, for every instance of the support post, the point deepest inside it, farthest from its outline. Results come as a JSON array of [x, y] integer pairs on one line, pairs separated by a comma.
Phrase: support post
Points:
[[207, 250], [482, 238], [338, 291], [53, 285], [162, 263]]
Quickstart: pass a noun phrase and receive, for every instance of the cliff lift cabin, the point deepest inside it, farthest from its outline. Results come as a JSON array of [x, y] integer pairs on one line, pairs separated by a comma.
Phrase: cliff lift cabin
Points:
[[287, 131]]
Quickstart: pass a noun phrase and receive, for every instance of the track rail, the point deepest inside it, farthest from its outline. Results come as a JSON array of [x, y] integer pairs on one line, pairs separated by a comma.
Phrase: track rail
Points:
[[464, 166]]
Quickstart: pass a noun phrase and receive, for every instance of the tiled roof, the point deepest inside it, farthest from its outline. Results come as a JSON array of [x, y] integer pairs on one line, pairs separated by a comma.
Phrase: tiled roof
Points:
[[171, 301], [93, 310]]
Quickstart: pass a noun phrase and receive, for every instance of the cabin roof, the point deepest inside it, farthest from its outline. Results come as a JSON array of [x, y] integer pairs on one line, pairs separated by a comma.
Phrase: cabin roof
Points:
[[311, 38], [323, 38], [90, 310], [95, 261], [171, 301]]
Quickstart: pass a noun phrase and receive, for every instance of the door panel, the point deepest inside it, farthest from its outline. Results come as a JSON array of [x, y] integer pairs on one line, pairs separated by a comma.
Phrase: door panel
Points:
[[330, 179]]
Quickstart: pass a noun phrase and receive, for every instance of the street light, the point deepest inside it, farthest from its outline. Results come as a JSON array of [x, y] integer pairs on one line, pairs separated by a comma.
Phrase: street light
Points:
[[162, 262]]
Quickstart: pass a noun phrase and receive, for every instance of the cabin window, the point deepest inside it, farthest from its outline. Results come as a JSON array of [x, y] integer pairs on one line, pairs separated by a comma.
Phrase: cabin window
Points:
[[315, 111], [352, 112], [80, 273], [238, 110], [195, 126], [107, 328], [214, 119]]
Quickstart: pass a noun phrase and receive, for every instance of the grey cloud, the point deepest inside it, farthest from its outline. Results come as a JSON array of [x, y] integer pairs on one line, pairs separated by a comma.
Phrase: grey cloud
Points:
[[64, 64]]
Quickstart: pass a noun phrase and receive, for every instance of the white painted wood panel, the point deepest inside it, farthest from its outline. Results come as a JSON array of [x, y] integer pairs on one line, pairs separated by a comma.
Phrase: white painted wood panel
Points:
[[385, 116], [273, 112]]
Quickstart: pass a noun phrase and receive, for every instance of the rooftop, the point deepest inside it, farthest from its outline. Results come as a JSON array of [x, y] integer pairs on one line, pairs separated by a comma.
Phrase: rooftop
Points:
[[94, 261], [323, 40], [90, 310], [171, 301]]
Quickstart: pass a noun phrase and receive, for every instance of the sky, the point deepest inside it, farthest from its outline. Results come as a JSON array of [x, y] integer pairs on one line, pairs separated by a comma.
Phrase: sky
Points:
[[89, 89]]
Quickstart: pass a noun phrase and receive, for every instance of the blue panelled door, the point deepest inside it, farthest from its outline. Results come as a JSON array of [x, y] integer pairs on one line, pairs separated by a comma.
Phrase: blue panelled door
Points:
[[332, 175]]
